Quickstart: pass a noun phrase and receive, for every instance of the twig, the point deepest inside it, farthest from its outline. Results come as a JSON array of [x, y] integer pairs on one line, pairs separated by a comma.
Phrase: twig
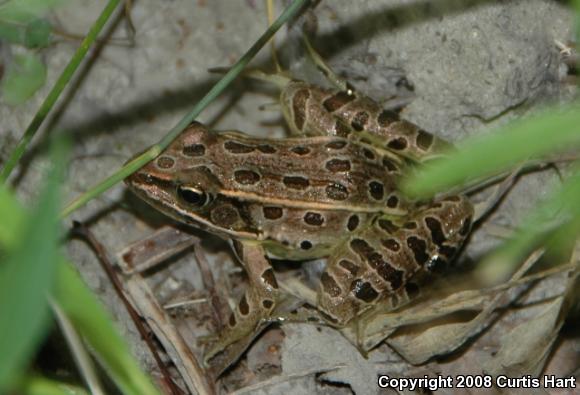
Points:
[[83, 232]]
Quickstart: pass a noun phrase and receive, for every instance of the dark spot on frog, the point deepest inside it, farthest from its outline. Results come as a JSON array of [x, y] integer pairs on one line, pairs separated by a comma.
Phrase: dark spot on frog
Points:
[[165, 162], [305, 245], [296, 182], [391, 275], [338, 165], [299, 107], [266, 149], [377, 190], [389, 165], [300, 150], [369, 154], [337, 144], [336, 101], [329, 285], [424, 140], [353, 222], [398, 144], [387, 117], [349, 266], [447, 251], [419, 248], [269, 278], [363, 291], [314, 219], [232, 320], [336, 191], [392, 201], [267, 303], [436, 231], [387, 225], [361, 247], [237, 148], [391, 244], [341, 129], [271, 212], [194, 150], [243, 306], [360, 120], [374, 259], [246, 177], [225, 216]]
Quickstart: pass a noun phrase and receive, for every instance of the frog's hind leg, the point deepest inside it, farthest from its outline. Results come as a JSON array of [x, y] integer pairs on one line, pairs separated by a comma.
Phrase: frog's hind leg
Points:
[[255, 306]]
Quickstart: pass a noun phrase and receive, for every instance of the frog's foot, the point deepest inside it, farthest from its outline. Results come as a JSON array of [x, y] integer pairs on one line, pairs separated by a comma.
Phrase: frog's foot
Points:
[[252, 312], [257, 304]]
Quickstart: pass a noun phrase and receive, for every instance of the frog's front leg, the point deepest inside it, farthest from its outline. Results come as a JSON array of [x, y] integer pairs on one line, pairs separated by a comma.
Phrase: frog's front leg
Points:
[[256, 304]]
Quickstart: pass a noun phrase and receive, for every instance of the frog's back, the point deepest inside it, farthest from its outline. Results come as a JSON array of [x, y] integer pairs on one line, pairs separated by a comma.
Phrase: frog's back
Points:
[[324, 173]]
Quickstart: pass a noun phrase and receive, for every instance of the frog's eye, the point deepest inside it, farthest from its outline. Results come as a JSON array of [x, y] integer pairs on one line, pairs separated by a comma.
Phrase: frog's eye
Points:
[[192, 195]]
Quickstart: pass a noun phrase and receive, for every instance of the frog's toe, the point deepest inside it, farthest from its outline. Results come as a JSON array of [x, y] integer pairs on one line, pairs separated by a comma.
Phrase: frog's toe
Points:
[[224, 349]]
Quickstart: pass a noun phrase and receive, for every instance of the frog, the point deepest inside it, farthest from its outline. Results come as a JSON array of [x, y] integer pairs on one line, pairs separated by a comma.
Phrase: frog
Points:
[[330, 190]]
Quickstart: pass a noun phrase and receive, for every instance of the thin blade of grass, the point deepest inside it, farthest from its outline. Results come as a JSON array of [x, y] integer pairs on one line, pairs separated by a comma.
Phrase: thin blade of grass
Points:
[[555, 129], [216, 90], [92, 321], [57, 89], [26, 277]]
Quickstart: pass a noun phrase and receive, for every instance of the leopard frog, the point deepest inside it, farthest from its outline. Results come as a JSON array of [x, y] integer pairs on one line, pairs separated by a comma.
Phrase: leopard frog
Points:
[[332, 192]]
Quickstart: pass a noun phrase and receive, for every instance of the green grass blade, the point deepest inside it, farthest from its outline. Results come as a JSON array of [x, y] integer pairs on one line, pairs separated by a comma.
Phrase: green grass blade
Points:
[[80, 305], [92, 321], [36, 385], [13, 219], [57, 89], [553, 130], [217, 89], [26, 277]]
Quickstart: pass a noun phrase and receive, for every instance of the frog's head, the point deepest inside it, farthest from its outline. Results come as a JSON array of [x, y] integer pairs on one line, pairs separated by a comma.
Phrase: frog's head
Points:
[[181, 183]]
